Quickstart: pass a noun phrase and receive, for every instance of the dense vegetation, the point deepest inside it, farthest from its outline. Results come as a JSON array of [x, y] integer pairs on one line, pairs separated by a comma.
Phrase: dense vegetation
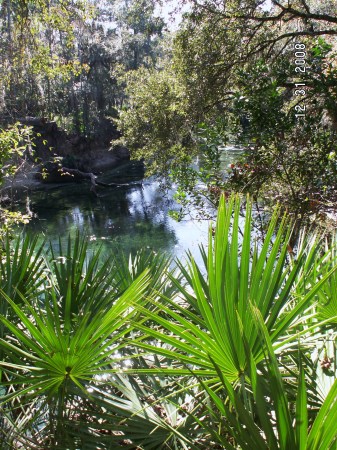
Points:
[[63, 61], [131, 354], [263, 78], [255, 73], [142, 352], [60, 58]]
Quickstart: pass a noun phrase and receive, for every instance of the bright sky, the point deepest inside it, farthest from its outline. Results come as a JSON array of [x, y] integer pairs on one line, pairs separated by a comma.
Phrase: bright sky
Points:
[[172, 17]]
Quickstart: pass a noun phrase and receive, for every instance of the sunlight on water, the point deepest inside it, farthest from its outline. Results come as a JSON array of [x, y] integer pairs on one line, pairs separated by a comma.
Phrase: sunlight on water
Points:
[[126, 218]]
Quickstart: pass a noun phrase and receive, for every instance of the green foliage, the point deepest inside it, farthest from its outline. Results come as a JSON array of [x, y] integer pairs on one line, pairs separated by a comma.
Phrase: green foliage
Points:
[[218, 309], [291, 429], [66, 336], [232, 330], [236, 63], [123, 353], [22, 268], [141, 33], [202, 183], [14, 141], [37, 43], [78, 347], [59, 59], [152, 125], [321, 49]]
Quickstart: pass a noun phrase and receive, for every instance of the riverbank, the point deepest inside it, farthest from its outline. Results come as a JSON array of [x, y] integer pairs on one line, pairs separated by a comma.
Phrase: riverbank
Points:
[[32, 175]]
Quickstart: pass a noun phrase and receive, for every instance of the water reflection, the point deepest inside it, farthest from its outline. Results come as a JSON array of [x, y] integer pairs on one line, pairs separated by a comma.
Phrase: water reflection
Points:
[[128, 217]]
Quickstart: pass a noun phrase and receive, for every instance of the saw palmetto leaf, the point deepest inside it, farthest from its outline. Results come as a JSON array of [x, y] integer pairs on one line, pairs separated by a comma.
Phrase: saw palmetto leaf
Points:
[[52, 348], [216, 304]]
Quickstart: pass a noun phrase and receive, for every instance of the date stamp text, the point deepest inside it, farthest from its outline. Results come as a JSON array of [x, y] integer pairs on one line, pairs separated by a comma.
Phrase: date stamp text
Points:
[[300, 85]]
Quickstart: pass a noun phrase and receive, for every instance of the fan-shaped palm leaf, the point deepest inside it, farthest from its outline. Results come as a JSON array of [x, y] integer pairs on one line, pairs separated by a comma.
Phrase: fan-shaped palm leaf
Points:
[[207, 325], [54, 353]]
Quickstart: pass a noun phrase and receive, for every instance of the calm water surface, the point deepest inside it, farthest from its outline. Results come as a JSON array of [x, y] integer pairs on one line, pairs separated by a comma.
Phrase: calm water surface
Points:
[[127, 217]]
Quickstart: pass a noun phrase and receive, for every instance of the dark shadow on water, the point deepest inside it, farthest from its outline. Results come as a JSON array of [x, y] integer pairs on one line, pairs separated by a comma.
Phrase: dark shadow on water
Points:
[[127, 217]]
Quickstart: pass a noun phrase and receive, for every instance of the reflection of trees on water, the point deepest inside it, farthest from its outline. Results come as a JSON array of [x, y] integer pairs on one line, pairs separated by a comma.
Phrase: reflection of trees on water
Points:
[[131, 217], [143, 203]]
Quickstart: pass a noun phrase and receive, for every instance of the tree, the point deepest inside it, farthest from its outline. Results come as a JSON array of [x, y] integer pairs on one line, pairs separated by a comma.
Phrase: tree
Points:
[[269, 74], [35, 34], [60, 58], [140, 32], [152, 119]]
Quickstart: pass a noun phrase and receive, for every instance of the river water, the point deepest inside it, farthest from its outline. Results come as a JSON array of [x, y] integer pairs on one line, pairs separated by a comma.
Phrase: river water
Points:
[[127, 217]]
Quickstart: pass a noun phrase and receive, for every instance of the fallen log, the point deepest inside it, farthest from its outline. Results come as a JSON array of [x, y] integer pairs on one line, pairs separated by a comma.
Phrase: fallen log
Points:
[[79, 175]]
